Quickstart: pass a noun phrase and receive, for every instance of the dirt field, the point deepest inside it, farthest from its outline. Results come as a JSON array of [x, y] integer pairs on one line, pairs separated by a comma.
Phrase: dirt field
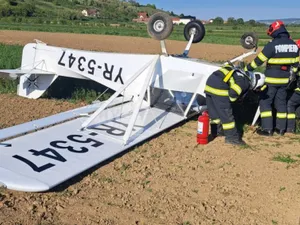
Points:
[[108, 43], [168, 180]]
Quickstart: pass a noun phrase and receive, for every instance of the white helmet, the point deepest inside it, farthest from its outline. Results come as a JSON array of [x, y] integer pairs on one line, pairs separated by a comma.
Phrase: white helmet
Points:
[[257, 80]]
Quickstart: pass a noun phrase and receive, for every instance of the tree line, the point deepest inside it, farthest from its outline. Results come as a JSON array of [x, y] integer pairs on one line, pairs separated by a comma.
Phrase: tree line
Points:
[[123, 10], [235, 22]]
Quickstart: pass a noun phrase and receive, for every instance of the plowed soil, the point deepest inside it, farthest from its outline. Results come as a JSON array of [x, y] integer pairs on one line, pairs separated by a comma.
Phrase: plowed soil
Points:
[[169, 179], [107, 43]]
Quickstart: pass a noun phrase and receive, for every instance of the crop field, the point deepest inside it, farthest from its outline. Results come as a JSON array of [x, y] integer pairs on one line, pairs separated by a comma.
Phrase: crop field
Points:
[[214, 34], [167, 180]]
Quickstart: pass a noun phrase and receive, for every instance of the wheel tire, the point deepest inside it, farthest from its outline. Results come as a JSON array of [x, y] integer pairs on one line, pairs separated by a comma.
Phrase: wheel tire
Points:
[[160, 26], [249, 40], [200, 31]]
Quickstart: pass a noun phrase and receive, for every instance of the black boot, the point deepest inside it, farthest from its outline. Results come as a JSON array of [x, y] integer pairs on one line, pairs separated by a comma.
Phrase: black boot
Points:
[[291, 131], [220, 130], [216, 130], [235, 141], [280, 132], [265, 132]]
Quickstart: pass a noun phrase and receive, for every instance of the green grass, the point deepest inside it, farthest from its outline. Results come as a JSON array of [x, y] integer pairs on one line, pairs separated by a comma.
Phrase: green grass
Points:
[[214, 34], [282, 189], [10, 57], [284, 158], [86, 95]]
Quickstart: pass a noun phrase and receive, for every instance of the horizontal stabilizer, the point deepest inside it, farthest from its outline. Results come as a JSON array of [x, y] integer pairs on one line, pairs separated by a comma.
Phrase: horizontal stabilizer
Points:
[[15, 73]]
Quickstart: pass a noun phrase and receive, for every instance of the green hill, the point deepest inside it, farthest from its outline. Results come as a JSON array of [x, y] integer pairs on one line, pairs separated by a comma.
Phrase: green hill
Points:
[[116, 10]]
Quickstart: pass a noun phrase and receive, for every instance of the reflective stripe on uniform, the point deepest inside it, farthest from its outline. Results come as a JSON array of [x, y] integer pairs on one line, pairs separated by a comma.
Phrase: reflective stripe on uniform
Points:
[[295, 69], [291, 116], [216, 91], [228, 76], [231, 81], [262, 57], [263, 87], [297, 89], [236, 88], [283, 60], [225, 71], [228, 126], [272, 80], [216, 121], [232, 99], [266, 114], [253, 64], [281, 115]]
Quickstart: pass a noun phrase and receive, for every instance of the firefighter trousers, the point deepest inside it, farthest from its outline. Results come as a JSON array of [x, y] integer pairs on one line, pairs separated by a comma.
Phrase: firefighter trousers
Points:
[[293, 103], [278, 95], [220, 111]]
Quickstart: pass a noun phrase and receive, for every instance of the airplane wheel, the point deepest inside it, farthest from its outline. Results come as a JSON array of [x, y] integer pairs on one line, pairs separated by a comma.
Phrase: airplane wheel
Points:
[[249, 40], [196, 26], [160, 26]]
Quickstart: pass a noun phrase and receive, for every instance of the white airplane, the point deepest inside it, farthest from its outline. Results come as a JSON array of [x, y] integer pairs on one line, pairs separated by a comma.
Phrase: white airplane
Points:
[[152, 93]]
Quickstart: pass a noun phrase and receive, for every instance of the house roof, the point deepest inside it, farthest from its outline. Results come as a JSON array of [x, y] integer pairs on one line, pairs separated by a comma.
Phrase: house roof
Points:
[[92, 11], [143, 14]]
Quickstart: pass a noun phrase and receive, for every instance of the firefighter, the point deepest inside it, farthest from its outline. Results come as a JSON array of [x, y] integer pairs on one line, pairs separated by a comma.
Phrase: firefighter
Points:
[[223, 87], [294, 101], [281, 56]]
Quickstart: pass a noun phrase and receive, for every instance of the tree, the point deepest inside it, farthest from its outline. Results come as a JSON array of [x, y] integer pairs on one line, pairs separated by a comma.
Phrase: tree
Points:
[[231, 20], [240, 21], [29, 9], [12, 2], [218, 21], [151, 6], [252, 22], [134, 3]]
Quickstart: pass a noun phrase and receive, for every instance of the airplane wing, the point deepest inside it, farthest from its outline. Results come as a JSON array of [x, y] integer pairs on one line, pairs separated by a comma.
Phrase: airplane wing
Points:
[[41, 160]]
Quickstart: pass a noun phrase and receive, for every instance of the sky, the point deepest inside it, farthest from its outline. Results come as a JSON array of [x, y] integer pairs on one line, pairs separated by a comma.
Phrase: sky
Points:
[[253, 9]]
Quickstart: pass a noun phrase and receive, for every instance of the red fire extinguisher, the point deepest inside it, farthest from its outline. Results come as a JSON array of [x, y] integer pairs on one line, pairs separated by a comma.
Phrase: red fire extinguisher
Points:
[[203, 128]]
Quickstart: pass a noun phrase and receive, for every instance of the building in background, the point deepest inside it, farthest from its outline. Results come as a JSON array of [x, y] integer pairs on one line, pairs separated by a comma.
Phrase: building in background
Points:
[[143, 17], [89, 12]]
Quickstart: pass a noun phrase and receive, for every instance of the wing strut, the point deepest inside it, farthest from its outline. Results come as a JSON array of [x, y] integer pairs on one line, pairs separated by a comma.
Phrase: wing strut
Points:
[[152, 65]]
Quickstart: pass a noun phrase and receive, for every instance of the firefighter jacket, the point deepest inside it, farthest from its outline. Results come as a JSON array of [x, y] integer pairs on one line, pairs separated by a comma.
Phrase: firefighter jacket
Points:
[[298, 81], [281, 56], [227, 82]]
